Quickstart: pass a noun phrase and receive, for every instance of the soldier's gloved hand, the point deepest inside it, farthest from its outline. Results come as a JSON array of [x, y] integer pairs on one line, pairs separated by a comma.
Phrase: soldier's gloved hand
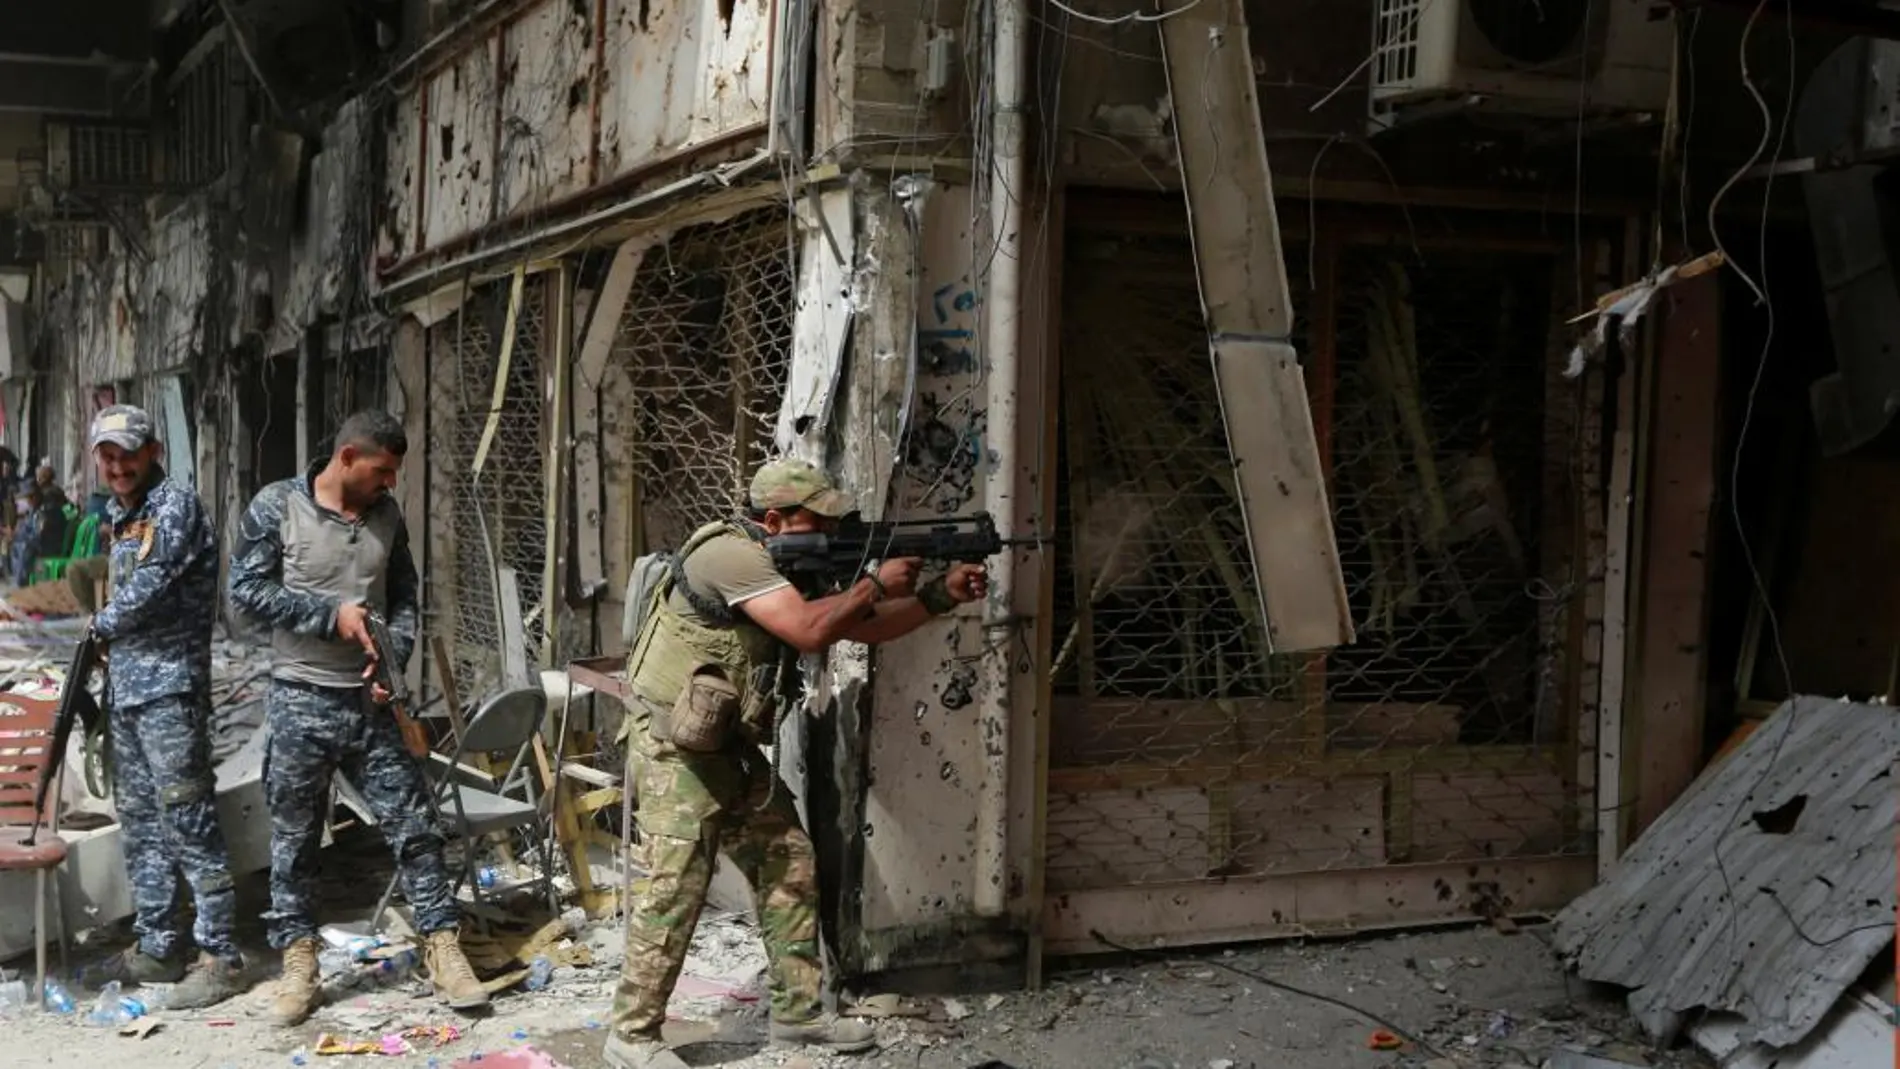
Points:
[[967, 583]]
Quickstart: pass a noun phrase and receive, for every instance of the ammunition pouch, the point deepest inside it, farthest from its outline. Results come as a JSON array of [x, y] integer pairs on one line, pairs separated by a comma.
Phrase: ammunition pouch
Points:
[[703, 716]]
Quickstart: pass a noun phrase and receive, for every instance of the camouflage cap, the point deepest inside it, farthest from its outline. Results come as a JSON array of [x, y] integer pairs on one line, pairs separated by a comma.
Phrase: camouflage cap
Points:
[[125, 426], [788, 483]]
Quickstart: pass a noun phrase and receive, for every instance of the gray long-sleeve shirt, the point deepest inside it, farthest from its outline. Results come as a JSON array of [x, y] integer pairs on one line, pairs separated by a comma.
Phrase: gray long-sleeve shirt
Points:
[[296, 563]]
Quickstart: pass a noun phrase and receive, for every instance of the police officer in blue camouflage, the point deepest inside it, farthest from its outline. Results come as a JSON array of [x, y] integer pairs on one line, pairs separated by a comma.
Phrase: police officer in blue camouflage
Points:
[[155, 632], [315, 555]]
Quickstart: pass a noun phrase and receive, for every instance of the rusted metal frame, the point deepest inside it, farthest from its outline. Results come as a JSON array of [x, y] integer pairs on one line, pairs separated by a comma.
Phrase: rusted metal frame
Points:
[[553, 213], [597, 90], [1054, 253], [495, 165], [1264, 767], [1682, 414], [1304, 904], [420, 239], [1623, 717], [447, 48], [1564, 551]]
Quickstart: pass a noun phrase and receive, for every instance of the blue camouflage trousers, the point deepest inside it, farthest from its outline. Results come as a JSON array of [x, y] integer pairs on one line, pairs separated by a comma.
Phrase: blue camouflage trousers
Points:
[[165, 792], [316, 732]]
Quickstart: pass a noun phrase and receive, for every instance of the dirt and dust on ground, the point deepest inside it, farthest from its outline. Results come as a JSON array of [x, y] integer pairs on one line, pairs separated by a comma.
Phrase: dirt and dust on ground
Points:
[[1471, 997], [1468, 998]]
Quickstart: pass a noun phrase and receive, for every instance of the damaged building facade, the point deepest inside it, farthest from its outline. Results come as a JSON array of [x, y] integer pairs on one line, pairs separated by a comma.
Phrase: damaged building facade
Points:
[[1416, 629]]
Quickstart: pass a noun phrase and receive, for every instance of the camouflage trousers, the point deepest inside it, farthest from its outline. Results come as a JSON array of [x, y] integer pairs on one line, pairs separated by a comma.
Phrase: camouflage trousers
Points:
[[165, 792], [691, 807], [315, 733]]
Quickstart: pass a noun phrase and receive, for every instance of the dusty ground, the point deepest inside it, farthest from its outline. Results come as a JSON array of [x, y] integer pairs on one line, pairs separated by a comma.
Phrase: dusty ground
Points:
[[1476, 997]]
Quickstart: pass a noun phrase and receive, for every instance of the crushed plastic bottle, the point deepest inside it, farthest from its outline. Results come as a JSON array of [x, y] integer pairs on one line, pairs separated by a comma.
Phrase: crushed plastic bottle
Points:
[[397, 969], [540, 973], [12, 997], [487, 877], [55, 999], [363, 947], [110, 1011]]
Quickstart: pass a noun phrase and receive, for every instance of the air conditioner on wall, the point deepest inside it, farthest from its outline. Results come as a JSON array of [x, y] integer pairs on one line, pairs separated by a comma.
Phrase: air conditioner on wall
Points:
[[1541, 58]]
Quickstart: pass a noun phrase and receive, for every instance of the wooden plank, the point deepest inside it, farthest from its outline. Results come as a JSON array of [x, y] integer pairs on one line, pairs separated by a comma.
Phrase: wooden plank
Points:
[[1292, 763], [1469, 816], [1309, 903], [589, 552], [555, 361], [410, 367], [1242, 270], [514, 641], [610, 305], [1616, 576], [1676, 579]]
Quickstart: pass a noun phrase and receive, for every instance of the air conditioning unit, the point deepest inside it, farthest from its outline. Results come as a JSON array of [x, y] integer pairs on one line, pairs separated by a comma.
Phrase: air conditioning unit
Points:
[[1543, 58]]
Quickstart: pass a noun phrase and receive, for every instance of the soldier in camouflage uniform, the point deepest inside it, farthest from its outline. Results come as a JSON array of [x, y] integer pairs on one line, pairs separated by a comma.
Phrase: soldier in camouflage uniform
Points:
[[156, 634], [719, 646], [315, 555]]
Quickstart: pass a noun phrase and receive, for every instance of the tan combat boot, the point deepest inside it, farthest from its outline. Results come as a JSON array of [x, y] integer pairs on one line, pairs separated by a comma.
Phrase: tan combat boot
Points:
[[297, 991], [449, 970]]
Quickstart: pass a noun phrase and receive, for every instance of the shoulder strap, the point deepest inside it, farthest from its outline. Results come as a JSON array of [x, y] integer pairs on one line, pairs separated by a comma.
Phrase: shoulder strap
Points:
[[711, 609]]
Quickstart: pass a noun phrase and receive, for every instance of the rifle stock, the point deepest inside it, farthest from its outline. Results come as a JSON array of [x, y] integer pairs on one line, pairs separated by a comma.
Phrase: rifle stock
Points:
[[414, 738]]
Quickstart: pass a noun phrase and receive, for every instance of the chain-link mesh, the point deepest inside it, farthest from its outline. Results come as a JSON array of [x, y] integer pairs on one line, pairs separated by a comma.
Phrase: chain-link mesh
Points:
[[498, 519], [1181, 748], [701, 360]]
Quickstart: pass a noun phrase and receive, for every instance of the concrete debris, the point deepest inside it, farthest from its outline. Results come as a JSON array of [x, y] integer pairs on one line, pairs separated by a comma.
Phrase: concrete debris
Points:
[[1572, 1058]]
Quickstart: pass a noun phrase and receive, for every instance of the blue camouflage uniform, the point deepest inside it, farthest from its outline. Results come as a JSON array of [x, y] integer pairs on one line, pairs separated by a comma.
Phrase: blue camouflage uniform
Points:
[[157, 630], [295, 564]]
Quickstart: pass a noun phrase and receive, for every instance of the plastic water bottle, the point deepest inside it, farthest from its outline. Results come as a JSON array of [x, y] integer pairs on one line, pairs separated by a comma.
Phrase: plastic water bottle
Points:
[[111, 1011], [362, 947], [396, 969], [486, 877], [56, 999], [540, 973], [12, 997]]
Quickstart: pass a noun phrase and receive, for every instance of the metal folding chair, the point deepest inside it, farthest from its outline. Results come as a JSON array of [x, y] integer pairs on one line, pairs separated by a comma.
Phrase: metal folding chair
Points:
[[474, 804]]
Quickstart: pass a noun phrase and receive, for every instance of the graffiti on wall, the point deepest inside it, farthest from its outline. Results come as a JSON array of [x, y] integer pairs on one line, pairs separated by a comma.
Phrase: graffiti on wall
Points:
[[944, 449]]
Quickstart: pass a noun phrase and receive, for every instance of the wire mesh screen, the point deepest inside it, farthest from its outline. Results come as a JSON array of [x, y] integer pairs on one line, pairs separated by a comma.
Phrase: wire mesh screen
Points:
[[495, 520], [702, 354], [1182, 748]]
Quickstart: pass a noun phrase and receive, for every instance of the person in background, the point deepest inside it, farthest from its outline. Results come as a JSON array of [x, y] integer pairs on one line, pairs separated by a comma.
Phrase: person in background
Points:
[[42, 534], [9, 475]]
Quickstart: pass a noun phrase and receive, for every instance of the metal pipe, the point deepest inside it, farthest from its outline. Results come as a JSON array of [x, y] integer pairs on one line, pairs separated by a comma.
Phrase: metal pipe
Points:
[[1001, 340]]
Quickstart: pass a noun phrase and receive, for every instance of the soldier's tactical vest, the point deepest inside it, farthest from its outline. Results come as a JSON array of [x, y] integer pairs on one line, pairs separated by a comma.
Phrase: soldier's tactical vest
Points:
[[671, 647]]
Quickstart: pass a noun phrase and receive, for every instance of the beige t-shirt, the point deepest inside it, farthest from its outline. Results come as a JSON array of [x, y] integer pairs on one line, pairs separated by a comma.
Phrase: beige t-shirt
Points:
[[732, 568]]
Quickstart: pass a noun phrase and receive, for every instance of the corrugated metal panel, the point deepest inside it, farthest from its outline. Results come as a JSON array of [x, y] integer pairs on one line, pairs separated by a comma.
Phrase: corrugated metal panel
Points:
[[1799, 899]]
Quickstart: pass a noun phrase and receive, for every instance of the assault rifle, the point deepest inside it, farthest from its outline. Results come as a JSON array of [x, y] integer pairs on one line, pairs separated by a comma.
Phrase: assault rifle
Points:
[[75, 703], [414, 738], [855, 543]]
